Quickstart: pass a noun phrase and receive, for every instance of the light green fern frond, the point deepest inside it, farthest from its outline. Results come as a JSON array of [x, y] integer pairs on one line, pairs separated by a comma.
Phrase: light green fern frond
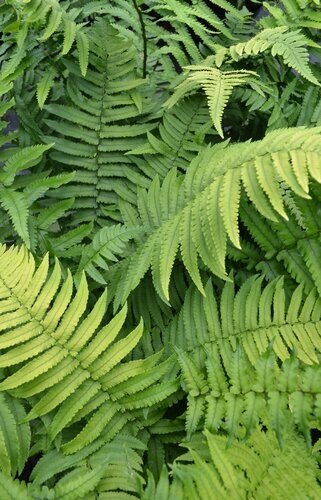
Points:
[[237, 403], [65, 361], [290, 45], [218, 86], [230, 358], [256, 469], [201, 213], [13, 488]]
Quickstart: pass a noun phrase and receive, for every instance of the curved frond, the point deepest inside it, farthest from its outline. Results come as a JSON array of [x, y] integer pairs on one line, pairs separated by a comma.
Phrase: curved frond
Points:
[[15, 437], [290, 45], [196, 220]]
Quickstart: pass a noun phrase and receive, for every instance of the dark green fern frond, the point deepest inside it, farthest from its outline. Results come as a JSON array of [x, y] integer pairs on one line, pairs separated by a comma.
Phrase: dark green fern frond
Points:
[[303, 14], [181, 135], [293, 245], [108, 244], [188, 24], [52, 18], [17, 197], [124, 472], [45, 85], [15, 437], [96, 128], [122, 459]]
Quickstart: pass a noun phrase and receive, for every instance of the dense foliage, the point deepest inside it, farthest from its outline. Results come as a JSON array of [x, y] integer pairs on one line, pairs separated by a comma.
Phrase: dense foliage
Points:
[[160, 278]]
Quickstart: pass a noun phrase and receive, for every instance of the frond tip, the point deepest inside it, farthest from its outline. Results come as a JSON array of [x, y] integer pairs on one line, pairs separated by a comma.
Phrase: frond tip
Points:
[[218, 86]]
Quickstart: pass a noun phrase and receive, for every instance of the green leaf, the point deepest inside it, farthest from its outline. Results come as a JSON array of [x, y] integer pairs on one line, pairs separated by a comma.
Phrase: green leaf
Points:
[[15, 204], [45, 85], [83, 51]]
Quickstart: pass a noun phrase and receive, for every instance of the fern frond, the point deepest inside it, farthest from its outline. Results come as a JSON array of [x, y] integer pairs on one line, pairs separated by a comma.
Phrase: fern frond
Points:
[[50, 215], [45, 85], [108, 243], [292, 245], [83, 51], [53, 17], [92, 135], [15, 204], [121, 458], [21, 160], [257, 468], [218, 86], [290, 45], [198, 222], [79, 482], [186, 19], [257, 316], [13, 488], [18, 193], [286, 394], [182, 134], [63, 359]]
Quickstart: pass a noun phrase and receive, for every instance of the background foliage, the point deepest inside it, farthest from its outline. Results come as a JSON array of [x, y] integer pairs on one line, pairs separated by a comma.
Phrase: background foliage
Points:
[[160, 307]]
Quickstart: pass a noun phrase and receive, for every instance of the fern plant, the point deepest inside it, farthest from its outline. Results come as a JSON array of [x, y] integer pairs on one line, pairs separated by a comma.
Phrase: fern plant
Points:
[[160, 283]]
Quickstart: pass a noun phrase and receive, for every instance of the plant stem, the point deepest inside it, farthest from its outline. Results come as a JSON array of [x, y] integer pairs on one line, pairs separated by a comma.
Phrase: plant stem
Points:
[[141, 20]]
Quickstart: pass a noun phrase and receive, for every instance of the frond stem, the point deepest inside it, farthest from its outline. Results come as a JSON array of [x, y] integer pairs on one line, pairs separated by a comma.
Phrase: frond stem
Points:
[[142, 24]]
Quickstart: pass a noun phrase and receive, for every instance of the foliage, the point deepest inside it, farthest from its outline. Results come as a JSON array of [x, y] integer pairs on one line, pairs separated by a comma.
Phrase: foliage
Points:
[[160, 282]]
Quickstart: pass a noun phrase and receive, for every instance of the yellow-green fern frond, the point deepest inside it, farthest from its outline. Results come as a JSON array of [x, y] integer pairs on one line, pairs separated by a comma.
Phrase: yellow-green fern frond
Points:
[[52, 350], [200, 215], [290, 45], [257, 469], [218, 86]]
